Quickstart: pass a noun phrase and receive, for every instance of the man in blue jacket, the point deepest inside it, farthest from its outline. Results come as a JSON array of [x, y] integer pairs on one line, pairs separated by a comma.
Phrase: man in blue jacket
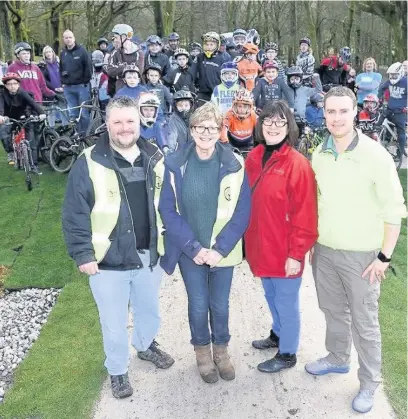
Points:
[[76, 73]]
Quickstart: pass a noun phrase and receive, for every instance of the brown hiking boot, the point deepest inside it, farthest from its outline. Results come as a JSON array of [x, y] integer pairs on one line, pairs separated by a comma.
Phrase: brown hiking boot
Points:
[[205, 363], [223, 363]]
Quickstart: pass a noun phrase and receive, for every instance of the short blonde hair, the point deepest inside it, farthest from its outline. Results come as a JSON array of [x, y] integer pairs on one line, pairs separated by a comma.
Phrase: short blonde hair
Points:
[[369, 59], [204, 113]]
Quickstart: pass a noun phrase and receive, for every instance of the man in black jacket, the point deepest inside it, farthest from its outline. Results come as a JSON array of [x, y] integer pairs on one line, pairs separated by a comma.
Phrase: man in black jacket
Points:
[[76, 73], [113, 232]]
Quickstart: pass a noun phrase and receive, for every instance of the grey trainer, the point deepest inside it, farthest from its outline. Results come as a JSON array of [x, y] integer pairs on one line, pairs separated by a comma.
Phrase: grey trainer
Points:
[[121, 387], [159, 358], [364, 401]]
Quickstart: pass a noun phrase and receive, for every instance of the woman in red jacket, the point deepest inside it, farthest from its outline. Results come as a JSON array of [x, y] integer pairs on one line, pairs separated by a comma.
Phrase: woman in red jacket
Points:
[[282, 228]]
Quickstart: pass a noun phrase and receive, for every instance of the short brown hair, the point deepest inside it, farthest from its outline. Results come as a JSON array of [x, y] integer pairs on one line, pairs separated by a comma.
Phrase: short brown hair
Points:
[[340, 91], [369, 59], [206, 112], [281, 109]]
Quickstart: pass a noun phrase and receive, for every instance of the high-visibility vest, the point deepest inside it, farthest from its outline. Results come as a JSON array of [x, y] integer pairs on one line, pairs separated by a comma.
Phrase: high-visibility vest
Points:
[[230, 189], [105, 213]]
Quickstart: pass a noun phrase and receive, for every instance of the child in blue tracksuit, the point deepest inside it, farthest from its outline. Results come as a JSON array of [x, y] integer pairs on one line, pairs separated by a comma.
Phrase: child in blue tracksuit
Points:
[[314, 111], [132, 79], [153, 73], [151, 129], [396, 110]]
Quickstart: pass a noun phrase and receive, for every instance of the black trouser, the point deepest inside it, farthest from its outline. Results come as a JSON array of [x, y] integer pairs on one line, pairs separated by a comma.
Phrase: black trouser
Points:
[[202, 98]]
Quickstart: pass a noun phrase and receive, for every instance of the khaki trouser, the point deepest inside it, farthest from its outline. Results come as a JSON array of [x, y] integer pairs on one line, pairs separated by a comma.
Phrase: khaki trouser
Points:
[[349, 302]]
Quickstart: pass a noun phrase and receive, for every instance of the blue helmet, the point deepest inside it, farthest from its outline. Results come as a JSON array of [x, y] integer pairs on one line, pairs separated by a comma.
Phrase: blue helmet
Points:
[[229, 67], [174, 36], [345, 54]]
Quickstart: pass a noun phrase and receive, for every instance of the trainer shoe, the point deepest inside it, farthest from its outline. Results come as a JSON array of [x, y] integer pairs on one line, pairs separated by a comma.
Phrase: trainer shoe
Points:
[[272, 341], [10, 158], [121, 387], [364, 401], [157, 356], [323, 366], [35, 169]]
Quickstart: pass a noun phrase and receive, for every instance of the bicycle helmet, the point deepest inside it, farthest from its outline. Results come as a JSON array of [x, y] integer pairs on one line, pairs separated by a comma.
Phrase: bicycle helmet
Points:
[[101, 41], [195, 46], [270, 64], [239, 37], [123, 29], [253, 37], [181, 51], [249, 48], [174, 36], [21, 46], [229, 67], [345, 54], [395, 72], [245, 97], [153, 66], [294, 70], [10, 76], [305, 40], [271, 46], [97, 58], [130, 68], [214, 37], [154, 40], [316, 98], [371, 102], [183, 94], [148, 99]]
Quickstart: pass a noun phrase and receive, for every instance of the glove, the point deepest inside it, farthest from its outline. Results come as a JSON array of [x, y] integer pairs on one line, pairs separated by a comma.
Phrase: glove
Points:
[[42, 116], [166, 150], [2, 119]]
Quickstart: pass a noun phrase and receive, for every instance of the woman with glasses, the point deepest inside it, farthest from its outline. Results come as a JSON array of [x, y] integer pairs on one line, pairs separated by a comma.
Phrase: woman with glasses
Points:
[[205, 206], [282, 227]]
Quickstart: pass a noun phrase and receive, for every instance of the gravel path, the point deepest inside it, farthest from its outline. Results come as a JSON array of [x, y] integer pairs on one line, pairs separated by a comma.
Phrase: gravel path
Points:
[[23, 313], [180, 393]]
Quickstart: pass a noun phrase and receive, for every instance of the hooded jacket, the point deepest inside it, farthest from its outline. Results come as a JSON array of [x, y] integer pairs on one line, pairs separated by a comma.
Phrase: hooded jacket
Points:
[[75, 66], [266, 91], [178, 132], [160, 59], [208, 70]]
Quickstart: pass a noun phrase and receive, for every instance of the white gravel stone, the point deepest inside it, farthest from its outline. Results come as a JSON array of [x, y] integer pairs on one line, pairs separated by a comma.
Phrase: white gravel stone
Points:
[[23, 313]]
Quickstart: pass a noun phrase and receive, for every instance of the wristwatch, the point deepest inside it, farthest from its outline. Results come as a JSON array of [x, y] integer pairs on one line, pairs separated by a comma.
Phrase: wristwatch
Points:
[[383, 258]]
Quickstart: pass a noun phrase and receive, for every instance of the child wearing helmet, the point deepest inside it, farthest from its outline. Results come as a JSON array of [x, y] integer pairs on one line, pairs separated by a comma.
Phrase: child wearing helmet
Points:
[[99, 80], [154, 84], [301, 94], [183, 75], [208, 69], [239, 37], [223, 94], [132, 79], [248, 68], [368, 118], [305, 60], [271, 51], [154, 54], [270, 87], [150, 128], [314, 111], [239, 122], [396, 110]]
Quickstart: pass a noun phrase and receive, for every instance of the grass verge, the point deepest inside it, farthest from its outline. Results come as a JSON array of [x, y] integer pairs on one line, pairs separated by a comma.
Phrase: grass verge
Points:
[[393, 319]]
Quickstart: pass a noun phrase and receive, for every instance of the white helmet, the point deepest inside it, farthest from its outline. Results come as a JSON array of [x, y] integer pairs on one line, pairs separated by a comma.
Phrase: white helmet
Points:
[[148, 99], [123, 29], [395, 72]]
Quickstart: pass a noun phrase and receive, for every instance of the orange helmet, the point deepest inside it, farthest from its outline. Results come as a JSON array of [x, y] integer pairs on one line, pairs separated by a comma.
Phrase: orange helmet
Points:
[[245, 97], [249, 48]]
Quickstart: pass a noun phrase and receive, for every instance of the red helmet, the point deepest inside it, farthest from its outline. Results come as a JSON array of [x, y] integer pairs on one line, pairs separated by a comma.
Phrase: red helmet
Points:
[[10, 76], [270, 64], [371, 102]]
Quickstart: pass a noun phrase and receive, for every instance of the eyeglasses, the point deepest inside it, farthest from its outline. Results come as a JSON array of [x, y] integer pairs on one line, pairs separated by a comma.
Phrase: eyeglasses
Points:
[[279, 124], [200, 129]]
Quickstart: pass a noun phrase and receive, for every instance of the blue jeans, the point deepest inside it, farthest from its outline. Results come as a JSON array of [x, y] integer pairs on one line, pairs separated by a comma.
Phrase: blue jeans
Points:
[[208, 295], [399, 119], [282, 296], [112, 291], [75, 95]]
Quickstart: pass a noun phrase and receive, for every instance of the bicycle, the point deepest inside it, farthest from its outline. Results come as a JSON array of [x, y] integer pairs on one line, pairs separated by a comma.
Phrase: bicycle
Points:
[[310, 139], [388, 138], [23, 158]]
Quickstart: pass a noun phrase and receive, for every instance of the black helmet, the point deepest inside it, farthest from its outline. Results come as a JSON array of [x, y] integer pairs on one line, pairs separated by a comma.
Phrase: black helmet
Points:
[[316, 98], [21, 46], [174, 36], [154, 39], [183, 94], [130, 68], [271, 46], [101, 41], [153, 66], [195, 46], [294, 70]]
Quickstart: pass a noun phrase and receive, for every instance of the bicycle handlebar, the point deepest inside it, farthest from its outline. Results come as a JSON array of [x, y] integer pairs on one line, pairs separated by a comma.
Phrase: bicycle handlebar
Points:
[[22, 122]]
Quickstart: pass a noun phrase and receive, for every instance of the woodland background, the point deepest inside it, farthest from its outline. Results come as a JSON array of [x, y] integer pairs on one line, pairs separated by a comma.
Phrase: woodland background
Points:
[[370, 28]]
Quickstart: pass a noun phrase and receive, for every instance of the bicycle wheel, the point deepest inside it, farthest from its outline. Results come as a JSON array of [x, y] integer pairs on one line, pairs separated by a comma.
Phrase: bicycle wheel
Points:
[[26, 165], [392, 147], [304, 146], [63, 155], [49, 136], [94, 125]]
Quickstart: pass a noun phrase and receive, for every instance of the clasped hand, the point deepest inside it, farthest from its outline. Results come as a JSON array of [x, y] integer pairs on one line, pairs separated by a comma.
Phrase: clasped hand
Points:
[[207, 257]]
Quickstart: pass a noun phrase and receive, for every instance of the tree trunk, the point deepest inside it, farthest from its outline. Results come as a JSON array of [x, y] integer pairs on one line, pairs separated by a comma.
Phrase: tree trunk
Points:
[[168, 11], [350, 21], [6, 39], [292, 53], [157, 10]]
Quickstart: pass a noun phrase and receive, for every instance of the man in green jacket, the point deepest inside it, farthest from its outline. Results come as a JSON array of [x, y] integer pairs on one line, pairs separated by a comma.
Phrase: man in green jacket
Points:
[[360, 204]]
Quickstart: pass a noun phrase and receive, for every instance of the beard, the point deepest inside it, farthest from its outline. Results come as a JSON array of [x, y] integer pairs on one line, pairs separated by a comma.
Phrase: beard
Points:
[[117, 142]]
